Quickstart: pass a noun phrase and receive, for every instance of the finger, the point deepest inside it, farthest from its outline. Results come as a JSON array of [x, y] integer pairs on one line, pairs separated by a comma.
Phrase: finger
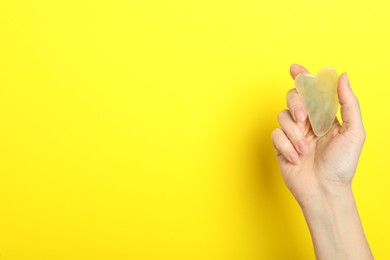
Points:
[[296, 106], [350, 108], [283, 145], [295, 69], [293, 132]]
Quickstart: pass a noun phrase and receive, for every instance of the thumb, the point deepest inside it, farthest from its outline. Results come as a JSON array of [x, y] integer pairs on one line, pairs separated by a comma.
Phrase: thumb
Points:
[[350, 109]]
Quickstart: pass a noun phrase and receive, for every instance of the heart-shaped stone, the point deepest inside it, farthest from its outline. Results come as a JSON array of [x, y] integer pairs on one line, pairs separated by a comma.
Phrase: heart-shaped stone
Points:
[[319, 95]]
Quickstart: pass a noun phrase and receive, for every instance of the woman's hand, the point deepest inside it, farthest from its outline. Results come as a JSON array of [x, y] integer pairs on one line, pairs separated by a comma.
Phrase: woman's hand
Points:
[[319, 171], [315, 166]]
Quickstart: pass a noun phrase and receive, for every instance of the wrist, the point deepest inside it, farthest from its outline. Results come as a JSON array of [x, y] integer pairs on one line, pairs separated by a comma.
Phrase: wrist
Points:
[[335, 226], [329, 201]]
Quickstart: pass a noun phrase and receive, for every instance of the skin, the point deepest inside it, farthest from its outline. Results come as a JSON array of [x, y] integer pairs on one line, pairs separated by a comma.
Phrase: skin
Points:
[[319, 171]]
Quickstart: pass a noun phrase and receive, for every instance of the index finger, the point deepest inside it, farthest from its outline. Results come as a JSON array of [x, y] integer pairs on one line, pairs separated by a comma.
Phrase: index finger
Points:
[[295, 69]]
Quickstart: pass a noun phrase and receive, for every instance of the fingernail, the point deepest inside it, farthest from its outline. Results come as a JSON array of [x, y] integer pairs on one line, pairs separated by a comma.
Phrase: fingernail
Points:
[[294, 158], [302, 146], [346, 79], [300, 115]]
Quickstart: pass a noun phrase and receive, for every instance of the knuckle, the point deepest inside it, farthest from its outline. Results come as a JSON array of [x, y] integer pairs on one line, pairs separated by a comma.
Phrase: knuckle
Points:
[[296, 134], [275, 133], [280, 117], [285, 146], [278, 140]]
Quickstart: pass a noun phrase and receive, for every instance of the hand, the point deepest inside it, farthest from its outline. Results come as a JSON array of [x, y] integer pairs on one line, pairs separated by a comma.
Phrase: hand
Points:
[[314, 166], [319, 171]]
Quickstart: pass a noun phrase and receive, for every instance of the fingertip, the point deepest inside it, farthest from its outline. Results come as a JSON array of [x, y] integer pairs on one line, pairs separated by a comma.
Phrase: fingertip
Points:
[[297, 65], [294, 66], [344, 89], [295, 69], [346, 79]]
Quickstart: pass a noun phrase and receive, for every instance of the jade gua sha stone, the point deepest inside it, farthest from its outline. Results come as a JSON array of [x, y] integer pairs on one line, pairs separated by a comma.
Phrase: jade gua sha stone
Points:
[[319, 95]]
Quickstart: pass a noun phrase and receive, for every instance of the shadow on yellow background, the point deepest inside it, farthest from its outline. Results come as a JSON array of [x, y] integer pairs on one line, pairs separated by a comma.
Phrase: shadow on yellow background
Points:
[[141, 129], [271, 220]]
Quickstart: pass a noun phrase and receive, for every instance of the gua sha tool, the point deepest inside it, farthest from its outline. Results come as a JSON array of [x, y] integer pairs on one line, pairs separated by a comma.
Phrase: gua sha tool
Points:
[[319, 97]]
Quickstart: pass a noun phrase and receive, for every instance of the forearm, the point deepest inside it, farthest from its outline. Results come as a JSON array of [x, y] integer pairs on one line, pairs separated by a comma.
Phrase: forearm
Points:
[[335, 227]]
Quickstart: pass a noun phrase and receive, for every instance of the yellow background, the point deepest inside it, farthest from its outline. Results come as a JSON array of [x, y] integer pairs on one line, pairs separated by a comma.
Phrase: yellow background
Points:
[[141, 129]]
